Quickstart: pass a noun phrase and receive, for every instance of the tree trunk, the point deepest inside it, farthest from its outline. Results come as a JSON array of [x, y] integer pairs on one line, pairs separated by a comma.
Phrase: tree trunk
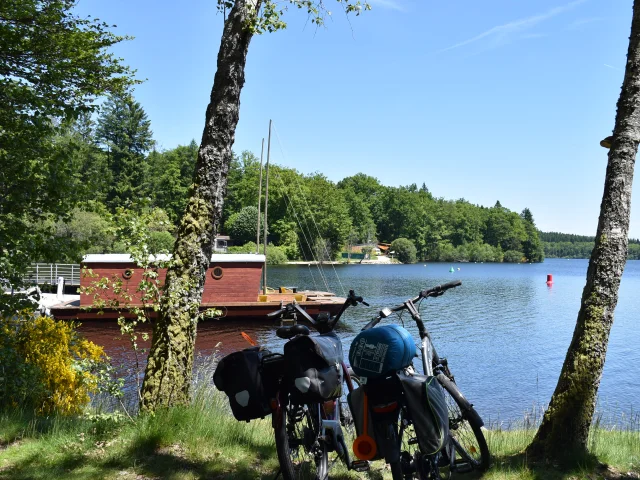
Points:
[[169, 367], [562, 436]]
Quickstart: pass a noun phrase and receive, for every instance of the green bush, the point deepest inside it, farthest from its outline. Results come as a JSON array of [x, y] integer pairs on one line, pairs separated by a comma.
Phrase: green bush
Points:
[[513, 256], [404, 249], [276, 255], [46, 365], [242, 225], [249, 247], [482, 252], [161, 242]]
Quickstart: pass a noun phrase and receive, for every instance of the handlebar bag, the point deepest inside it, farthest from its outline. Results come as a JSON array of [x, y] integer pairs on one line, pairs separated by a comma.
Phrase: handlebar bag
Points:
[[314, 367], [381, 350], [249, 378], [427, 407]]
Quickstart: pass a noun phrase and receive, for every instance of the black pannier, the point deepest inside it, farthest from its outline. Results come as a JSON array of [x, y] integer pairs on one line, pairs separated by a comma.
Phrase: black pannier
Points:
[[314, 367], [428, 409], [250, 380], [377, 422]]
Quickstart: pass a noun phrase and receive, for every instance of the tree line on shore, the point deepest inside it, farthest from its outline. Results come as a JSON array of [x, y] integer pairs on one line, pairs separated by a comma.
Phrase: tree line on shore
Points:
[[567, 245], [114, 167]]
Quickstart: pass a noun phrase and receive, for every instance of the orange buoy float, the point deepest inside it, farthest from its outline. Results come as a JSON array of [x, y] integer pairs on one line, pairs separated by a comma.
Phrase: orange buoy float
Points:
[[364, 446], [549, 279]]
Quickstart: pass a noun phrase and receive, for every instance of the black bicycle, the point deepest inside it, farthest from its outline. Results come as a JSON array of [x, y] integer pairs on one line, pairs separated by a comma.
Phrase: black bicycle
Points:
[[399, 431], [309, 415]]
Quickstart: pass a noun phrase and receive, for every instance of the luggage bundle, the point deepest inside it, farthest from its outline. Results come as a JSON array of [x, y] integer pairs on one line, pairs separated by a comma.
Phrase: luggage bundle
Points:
[[425, 405], [250, 379], [380, 351], [381, 410], [314, 367]]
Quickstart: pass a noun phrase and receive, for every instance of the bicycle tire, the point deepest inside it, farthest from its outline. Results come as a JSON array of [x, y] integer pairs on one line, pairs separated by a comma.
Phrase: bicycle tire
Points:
[[410, 455], [471, 450], [396, 471], [300, 456]]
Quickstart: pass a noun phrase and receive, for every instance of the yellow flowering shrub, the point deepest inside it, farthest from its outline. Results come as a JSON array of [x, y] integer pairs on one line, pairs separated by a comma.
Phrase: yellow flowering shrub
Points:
[[64, 363]]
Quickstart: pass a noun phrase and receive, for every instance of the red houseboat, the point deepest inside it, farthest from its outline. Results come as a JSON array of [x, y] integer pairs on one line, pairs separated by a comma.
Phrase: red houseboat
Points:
[[232, 285]]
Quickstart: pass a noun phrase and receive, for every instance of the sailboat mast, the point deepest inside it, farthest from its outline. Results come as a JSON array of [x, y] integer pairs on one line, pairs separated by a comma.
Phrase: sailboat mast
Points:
[[259, 198], [266, 204]]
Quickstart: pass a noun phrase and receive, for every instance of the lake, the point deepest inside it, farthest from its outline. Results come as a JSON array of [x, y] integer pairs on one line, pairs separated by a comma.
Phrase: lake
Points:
[[504, 331]]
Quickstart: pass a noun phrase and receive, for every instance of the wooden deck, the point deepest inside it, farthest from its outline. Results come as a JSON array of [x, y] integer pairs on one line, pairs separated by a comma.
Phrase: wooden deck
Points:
[[254, 311]]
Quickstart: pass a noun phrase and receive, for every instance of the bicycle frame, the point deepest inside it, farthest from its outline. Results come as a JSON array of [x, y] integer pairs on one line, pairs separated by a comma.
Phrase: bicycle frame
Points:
[[329, 425], [282, 401]]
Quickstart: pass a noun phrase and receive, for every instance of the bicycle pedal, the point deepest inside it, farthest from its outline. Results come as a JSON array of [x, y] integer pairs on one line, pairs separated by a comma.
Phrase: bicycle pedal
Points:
[[360, 465]]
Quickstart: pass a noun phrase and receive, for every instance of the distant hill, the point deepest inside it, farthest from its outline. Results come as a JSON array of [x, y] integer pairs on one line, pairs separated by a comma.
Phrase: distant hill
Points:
[[568, 245], [570, 237]]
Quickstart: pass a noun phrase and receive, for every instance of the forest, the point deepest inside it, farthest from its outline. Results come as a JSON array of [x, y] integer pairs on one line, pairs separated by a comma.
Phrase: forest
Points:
[[117, 174], [566, 245]]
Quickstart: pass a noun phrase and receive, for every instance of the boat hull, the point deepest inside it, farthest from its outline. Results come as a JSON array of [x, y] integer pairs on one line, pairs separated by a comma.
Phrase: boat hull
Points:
[[252, 311]]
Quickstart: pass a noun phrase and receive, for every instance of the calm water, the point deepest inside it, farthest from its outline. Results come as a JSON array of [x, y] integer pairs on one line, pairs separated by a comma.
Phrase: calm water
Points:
[[504, 331]]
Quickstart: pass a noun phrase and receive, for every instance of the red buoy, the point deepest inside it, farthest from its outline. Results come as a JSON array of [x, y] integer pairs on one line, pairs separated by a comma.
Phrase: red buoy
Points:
[[549, 279]]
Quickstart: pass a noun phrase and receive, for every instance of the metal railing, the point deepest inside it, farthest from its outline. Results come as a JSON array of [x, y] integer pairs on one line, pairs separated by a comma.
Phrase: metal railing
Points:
[[48, 273]]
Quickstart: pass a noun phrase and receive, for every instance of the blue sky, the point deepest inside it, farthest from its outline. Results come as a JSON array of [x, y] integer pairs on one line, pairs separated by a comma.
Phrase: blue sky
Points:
[[494, 100]]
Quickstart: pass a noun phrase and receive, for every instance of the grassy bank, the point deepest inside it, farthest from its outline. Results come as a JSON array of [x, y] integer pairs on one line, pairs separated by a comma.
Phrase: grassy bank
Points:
[[203, 441]]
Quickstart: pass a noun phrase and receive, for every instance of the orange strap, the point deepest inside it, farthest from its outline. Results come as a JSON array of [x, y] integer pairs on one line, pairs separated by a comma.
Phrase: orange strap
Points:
[[249, 339], [366, 415]]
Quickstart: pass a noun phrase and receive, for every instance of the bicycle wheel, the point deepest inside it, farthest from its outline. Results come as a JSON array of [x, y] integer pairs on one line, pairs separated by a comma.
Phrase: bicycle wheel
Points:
[[412, 463], [300, 453], [470, 449]]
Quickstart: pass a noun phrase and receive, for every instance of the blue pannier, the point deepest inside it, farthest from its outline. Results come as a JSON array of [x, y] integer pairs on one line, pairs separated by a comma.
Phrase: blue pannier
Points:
[[381, 350]]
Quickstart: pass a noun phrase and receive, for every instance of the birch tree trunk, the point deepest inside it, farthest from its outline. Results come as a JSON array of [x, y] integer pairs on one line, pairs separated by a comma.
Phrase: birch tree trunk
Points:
[[169, 367], [562, 436]]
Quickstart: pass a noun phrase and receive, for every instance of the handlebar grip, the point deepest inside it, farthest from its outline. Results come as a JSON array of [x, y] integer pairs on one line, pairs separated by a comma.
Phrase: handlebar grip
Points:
[[441, 288], [276, 313], [455, 283]]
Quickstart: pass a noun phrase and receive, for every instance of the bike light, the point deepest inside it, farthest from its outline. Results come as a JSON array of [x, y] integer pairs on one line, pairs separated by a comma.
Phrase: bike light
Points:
[[385, 312], [364, 447]]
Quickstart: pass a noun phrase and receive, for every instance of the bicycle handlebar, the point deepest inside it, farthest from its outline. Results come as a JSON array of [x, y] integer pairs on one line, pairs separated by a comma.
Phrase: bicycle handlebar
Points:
[[439, 289], [351, 301], [430, 292], [277, 313]]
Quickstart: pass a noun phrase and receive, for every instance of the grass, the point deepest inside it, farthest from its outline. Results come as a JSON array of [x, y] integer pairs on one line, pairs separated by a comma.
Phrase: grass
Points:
[[204, 441], [200, 441], [614, 453]]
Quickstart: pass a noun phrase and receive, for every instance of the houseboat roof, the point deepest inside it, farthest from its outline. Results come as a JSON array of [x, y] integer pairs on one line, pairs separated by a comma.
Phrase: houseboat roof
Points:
[[215, 258]]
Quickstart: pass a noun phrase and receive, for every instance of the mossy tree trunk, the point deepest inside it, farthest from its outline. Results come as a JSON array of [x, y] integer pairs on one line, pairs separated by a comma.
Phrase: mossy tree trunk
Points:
[[562, 436], [169, 367]]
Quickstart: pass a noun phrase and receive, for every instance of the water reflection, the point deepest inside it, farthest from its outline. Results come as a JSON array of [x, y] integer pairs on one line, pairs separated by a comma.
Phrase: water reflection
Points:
[[504, 331]]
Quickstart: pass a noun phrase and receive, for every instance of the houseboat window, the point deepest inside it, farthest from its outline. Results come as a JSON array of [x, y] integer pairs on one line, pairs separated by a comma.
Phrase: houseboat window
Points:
[[128, 273], [217, 273]]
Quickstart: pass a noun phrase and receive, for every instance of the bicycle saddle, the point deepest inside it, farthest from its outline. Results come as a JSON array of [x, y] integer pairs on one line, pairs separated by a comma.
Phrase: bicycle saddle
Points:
[[288, 332]]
